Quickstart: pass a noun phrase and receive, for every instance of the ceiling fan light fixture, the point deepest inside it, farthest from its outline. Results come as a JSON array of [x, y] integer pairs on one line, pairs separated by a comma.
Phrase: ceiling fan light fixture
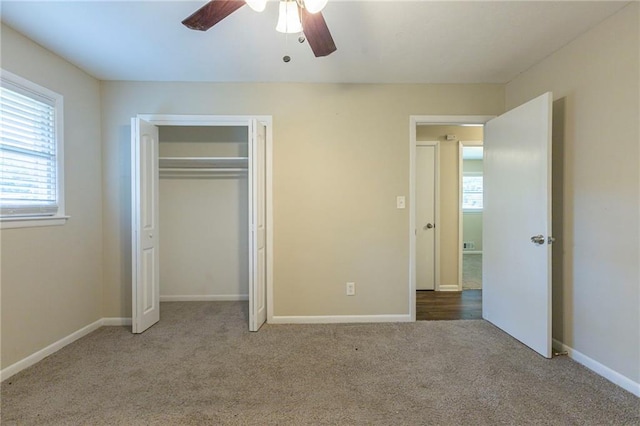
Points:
[[288, 17], [257, 5], [315, 6]]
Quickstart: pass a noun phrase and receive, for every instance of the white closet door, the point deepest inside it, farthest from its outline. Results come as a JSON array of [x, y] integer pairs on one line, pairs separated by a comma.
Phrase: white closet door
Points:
[[516, 280], [257, 226], [144, 227]]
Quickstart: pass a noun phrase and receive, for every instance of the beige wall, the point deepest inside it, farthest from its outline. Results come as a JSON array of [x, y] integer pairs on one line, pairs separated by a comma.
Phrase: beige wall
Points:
[[472, 229], [449, 191], [596, 292], [340, 158], [203, 221], [473, 166], [52, 276]]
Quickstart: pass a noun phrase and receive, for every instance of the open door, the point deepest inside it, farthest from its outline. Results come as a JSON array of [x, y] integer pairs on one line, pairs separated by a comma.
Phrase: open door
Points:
[[517, 223], [257, 226], [145, 262]]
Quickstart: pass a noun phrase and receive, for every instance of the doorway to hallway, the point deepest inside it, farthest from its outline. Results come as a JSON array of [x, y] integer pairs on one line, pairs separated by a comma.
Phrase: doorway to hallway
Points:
[[448, 305]]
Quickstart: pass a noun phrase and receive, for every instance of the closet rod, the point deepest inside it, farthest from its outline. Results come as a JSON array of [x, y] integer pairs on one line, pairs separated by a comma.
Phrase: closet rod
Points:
[[203, 169]]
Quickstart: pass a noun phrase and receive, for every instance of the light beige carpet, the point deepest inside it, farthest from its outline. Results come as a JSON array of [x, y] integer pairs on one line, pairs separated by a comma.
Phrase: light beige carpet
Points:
[[200, 366]]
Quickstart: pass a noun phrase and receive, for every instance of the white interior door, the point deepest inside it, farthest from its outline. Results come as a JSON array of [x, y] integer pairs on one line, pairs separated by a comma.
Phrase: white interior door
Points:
[[144, 230], [517, 213], [257, 226], [425, 216]]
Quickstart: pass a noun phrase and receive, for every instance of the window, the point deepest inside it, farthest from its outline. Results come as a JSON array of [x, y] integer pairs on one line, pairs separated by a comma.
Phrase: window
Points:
[[472, 192], [31, 172]]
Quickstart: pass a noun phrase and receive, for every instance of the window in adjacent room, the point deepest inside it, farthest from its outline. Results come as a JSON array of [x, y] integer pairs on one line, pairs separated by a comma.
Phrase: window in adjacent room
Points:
[[472, 191], [31, 154]]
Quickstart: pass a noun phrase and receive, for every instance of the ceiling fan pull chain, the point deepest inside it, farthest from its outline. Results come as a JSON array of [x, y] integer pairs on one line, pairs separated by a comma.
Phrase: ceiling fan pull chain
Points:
[[286, 58]]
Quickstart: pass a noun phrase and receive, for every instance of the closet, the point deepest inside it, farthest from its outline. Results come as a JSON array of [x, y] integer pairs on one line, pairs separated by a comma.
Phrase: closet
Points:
[[202, 185], [203, 213]]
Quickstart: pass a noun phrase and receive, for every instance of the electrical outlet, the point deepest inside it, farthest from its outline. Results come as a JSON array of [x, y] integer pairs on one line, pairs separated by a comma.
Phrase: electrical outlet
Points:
[[351, 289], [400, 202]]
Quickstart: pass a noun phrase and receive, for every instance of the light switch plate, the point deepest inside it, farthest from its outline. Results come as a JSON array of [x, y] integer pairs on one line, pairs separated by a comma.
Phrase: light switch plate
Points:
[[400, 202], [351, 289]]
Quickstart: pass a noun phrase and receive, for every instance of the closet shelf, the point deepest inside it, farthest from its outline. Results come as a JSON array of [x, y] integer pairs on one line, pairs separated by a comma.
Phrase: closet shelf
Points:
[[204, 163], [201, 167]]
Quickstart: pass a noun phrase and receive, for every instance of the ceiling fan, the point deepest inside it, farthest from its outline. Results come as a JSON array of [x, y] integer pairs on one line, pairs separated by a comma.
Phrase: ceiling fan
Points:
[[295, 16]]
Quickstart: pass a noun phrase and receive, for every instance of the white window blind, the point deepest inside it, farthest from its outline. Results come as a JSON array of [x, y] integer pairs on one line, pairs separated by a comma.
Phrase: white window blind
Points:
[[29, 184]]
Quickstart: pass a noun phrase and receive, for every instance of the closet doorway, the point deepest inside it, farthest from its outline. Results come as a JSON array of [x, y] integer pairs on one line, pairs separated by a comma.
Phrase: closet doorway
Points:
[[200, 170]]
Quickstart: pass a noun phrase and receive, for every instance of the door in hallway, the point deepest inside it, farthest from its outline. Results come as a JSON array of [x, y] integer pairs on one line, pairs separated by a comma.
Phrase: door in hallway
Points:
[[425, 216]]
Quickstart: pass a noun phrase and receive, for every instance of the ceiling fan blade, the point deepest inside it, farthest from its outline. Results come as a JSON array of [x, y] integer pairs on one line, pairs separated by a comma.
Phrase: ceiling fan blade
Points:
[[317, 33], [212, 13]]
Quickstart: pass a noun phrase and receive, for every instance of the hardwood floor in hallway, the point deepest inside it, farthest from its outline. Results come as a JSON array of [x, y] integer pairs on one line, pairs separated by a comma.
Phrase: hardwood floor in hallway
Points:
[[448, 305]]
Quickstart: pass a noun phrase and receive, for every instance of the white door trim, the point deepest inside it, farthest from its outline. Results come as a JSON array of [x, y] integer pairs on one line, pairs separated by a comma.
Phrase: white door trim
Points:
[[461, 145], [203, 120], [414, 122], [236, 120]]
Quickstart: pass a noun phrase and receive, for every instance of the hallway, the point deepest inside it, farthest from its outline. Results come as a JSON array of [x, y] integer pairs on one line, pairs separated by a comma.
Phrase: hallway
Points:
[[448, 305]]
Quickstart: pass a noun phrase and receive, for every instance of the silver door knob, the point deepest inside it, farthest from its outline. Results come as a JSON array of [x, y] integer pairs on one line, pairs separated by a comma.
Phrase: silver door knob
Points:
[[429, 226], [538, 239]]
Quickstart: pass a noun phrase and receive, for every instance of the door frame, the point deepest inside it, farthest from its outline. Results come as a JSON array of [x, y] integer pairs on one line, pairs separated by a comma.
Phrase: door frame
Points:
[[237, 120], [414, 122], [461, 145]]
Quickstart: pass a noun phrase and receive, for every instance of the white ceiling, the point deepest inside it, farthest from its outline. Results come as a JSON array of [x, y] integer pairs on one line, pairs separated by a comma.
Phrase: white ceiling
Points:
[[378, 41]]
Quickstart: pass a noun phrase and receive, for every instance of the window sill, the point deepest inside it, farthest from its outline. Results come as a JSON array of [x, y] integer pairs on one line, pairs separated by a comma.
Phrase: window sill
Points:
[[32, 222], [467, 211]]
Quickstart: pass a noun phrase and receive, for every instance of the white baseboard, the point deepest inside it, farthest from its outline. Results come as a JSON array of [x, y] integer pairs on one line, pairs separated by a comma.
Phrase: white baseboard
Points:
[[604, 371], [336, 319], [206, 298], [116, 322], [449, 287]]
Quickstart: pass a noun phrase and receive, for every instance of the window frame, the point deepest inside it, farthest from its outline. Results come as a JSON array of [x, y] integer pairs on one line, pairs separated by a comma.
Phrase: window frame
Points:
[[59, 218]]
